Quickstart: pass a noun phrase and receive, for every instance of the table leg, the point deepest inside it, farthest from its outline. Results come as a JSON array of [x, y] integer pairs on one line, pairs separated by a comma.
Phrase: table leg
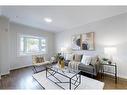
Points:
[[46, 72], [102, 71], [70, 84], [115, 74], [80, 79]]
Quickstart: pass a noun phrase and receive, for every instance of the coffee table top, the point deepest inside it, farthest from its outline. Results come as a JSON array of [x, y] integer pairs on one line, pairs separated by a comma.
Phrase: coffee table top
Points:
[[64, 71]]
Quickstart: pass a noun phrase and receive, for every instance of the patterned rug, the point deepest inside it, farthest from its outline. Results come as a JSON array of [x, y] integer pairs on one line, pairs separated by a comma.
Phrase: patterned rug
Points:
[[86, 83]]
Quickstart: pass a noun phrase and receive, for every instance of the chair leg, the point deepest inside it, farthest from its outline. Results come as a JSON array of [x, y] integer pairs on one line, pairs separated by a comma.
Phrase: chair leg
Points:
[[34, 69]]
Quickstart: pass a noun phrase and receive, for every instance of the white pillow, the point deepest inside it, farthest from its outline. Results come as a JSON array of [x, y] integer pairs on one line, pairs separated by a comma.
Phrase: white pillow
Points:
[[86, 60]]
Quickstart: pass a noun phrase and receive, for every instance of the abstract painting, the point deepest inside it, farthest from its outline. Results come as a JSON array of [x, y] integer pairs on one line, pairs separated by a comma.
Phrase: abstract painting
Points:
[[83, 41], [76, 42], [87, 42]]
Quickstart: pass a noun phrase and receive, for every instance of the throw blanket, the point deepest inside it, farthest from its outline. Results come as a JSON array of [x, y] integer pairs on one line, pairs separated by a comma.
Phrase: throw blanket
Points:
[[73, 65]]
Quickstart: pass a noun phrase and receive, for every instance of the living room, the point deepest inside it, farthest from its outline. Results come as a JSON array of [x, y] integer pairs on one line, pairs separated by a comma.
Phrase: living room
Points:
[[49, 30]]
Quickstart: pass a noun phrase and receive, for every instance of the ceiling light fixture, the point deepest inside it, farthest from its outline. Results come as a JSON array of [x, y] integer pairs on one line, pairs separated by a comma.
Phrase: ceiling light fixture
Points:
[[48, 20]]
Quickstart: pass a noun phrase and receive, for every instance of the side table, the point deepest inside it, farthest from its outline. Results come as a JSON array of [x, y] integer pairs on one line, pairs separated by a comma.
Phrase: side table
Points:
[[113, 65]]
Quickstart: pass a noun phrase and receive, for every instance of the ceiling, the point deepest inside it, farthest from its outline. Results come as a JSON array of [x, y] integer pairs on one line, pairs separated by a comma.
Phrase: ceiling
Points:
[[64, 17]]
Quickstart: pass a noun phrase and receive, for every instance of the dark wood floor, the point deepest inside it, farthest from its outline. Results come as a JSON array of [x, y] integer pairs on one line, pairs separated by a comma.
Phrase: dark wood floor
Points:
[[22, 79]]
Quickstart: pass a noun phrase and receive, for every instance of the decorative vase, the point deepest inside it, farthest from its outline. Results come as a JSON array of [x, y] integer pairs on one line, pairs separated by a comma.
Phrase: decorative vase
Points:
[[59, 63], [62, 64]]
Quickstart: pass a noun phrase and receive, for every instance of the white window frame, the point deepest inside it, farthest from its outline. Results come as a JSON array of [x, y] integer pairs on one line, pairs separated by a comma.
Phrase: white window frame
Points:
[[22, 53]]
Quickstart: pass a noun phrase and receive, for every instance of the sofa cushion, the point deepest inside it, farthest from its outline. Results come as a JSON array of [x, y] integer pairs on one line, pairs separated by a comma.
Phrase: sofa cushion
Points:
[[86, 68], [86, 60]]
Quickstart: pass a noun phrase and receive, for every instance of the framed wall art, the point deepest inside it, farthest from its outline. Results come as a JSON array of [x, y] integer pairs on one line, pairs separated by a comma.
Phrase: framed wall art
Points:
[[76, 42], [83, 41], [87, 41]]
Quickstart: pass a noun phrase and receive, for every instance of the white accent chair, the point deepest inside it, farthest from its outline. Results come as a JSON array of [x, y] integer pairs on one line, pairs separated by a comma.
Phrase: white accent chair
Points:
[[39, 60]]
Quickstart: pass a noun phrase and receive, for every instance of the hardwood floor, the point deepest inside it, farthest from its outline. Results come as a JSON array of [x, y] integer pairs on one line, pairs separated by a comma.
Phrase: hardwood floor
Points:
[[22, 79], [110, 82], [19, 79]]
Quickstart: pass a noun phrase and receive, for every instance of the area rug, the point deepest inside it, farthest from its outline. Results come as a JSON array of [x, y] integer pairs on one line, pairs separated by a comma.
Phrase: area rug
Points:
[[86, 83]]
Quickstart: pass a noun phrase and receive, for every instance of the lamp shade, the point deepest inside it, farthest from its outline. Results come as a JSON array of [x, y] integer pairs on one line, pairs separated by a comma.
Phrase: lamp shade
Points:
[[63, 49], [110, 51]]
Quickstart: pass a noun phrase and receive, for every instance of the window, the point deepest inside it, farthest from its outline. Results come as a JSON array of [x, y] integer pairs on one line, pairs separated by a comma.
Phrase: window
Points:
[[31, 45]]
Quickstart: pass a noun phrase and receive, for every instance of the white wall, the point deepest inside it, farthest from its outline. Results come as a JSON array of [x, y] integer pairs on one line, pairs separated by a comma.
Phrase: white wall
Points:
[[4, 45], [0, 10], [108, 32], [22, 61], [8, 45]]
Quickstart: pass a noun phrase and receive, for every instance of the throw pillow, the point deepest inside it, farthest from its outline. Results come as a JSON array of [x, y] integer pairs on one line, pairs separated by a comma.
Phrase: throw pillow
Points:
[[39, 59], [73, 65], [77, 57], [86, 60]]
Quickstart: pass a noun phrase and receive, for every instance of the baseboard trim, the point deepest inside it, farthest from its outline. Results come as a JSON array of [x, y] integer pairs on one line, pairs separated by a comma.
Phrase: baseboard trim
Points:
[[13, 70], [21, 68], [119, 78], [7, 73]]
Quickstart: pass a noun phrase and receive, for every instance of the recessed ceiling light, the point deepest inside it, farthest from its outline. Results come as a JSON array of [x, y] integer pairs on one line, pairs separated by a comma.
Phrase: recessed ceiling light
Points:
[[49, 20]]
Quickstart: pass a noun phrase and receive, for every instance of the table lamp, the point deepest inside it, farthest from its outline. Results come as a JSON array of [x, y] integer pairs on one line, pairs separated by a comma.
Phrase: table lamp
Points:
[[63, 50], [110, 52]]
